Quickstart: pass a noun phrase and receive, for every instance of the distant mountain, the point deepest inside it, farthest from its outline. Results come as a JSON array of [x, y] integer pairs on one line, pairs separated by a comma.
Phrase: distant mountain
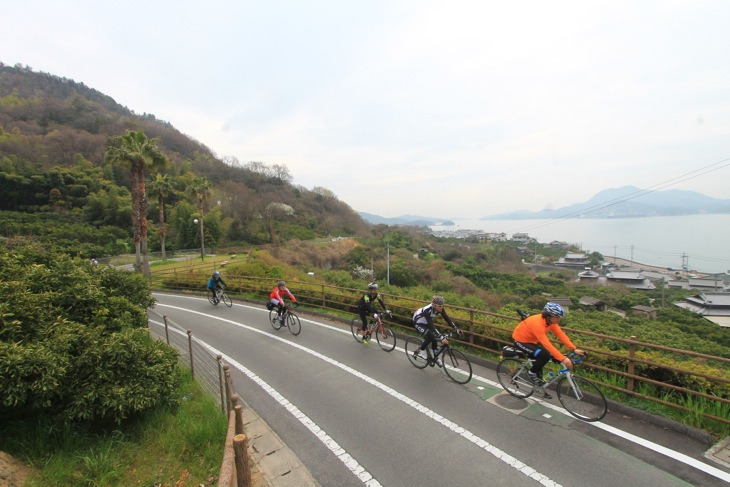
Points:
[[626, 202], [413, 220]]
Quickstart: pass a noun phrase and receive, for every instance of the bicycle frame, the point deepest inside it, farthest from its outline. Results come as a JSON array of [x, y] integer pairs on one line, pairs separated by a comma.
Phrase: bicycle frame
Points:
[[578, 395]]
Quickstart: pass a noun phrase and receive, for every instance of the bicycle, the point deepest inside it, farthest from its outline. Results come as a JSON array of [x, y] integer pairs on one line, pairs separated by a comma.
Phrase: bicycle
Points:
[[383, 334], [579, 396], [288, 318], [455, 363], [217, 296]]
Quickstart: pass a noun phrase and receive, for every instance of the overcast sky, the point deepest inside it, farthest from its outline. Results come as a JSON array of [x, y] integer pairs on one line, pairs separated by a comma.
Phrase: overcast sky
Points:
[[453, 109]]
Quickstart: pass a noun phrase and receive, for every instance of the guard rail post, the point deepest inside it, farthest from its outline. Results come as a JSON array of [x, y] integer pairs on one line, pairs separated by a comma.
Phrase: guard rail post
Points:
[[190, 349], [632, 365]]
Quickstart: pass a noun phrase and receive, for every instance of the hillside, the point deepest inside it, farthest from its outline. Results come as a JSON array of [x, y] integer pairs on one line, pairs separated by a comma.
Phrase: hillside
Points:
[[629, 201], [53, 134]]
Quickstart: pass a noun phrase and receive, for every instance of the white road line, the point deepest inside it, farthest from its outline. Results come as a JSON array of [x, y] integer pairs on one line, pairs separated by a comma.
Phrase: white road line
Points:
[[650, 445], [350, 462], [481, 443]]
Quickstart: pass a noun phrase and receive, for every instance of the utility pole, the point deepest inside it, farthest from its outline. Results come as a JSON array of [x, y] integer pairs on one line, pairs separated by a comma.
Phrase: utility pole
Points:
[[387, 264]]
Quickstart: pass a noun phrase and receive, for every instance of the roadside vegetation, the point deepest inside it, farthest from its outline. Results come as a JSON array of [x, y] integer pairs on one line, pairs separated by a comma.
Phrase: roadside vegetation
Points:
[[179, 443]]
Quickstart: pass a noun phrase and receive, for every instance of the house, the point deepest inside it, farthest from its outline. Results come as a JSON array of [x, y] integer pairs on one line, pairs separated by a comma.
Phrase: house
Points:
[[596, 303], [522, 238], [566, 303], [556, 244], [714, 307], [645, 311], [632, 279], [573, 260], [497, 237], [707, 284], [588, 275]]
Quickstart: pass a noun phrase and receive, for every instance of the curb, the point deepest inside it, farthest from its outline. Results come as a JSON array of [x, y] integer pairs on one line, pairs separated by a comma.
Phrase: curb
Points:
[[277, 465]]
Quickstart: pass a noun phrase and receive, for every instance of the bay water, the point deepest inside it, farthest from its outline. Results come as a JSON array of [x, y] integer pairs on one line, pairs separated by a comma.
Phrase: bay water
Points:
[[700, 242]]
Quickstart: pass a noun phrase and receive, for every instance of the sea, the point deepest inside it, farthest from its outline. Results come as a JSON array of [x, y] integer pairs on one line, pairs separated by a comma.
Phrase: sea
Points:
[[698, 243]]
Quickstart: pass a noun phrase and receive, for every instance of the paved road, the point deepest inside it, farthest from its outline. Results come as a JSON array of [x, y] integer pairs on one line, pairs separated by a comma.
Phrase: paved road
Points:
[[356, 415]]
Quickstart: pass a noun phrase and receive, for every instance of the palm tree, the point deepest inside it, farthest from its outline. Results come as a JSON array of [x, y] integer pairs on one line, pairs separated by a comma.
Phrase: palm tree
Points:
[[163, 185], [136, 152], [199, 187]]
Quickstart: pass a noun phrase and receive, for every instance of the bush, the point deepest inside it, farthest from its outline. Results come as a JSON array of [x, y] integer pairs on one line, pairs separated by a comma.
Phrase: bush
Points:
[[70, 340]]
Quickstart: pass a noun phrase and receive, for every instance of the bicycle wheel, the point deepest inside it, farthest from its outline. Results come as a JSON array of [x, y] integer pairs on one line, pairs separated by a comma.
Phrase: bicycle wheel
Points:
[[211, 298], [276, 323], [355, 329], [385, 338], [456, 365], [292, 321], [513, 378], [226, 300], [584, 401], [412, 346]]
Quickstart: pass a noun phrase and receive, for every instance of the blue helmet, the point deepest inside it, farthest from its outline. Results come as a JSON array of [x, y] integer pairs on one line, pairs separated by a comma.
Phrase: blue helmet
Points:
[[553, 309]]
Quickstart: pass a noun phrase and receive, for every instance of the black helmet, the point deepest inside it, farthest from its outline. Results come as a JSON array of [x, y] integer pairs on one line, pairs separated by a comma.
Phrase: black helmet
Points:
[[438, 300], [280, 284], [372, 285]]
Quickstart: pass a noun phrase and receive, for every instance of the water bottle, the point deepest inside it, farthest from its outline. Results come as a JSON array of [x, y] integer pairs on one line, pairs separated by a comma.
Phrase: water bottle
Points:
[[551, 375]]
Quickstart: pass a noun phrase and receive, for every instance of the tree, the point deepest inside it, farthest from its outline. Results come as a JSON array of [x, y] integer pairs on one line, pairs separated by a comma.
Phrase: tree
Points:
[[136, 152], [271, 213], [162, 186], [199, 187]]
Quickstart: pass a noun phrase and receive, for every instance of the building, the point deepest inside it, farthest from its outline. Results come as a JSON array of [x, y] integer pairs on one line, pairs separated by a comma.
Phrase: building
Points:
[[596, 303], [522, 238], [588, 275], [573, 260], [645, 311], [632, 279], [714, 307]]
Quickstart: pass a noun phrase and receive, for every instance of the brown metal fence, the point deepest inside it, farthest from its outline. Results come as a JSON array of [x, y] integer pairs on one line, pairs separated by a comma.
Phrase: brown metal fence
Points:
[[626, 365], [215, 378]]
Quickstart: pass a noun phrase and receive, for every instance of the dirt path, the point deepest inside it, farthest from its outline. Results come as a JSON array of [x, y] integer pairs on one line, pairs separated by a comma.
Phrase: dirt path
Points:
[[12, 472]]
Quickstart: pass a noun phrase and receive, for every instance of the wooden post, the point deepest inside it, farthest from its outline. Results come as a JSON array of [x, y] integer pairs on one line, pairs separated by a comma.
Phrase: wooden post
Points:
[[632, 366], [239, 419], [243, 469], [324, 299], [471, 326], [227, 378], [219, 357], [190, 349], [167, 332]]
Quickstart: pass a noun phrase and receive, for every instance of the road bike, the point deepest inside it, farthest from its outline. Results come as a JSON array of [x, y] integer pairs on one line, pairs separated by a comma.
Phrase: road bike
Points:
[[218, 296], [383, 335], [287, 317], [453, 361], [579, 396]]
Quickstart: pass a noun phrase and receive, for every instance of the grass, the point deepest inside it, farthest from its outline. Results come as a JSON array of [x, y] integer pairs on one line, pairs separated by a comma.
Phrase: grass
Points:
[[180, 446]]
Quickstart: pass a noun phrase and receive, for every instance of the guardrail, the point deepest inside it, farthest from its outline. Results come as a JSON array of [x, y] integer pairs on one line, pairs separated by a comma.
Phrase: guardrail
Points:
[[215, 378], [621, 364]]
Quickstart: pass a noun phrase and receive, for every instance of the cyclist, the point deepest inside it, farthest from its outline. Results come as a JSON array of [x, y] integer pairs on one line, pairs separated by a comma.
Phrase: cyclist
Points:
[[214, 284], [530, 336], [423, 321], [277, 297], [366, 306]]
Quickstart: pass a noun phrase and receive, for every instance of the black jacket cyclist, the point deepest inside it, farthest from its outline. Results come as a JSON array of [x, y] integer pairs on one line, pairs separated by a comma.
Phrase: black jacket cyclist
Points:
[[366, 304]]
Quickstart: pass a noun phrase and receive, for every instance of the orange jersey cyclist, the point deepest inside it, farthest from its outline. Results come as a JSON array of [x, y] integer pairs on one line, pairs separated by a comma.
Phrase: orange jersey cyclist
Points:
[[277, 297], [530, 336]]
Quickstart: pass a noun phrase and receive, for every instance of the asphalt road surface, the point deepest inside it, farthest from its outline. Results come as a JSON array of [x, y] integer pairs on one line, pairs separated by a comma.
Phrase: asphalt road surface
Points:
[[356, 415]]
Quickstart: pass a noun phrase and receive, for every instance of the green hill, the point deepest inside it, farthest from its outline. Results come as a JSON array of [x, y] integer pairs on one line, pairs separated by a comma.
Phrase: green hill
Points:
[[53, 134]]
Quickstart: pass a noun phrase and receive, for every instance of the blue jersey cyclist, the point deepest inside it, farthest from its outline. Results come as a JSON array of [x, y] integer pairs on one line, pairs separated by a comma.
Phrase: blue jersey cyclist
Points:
[[423, 321], [214, 284]]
